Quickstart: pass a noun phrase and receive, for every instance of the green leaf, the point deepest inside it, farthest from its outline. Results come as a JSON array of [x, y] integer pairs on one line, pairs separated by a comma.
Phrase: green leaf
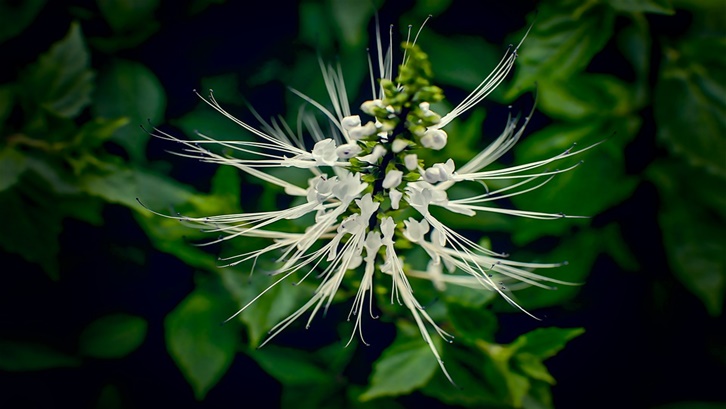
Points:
[[118, 185], [112, 336], [472, 323], [123, 15], [12, 165], [202, 348], [16, 15], [272, 307], [61, 81], [533, 367], [587, 95], [460, 61], [97, 131], [290, 366], [695, 246], [33, 229], [7, 100], [466, 368], [28, 356], [643, 6], [351, 19], [545, 342], [563, 39], [690, 103], [226, 183], [578, 191], [404, 366], [129, 89]]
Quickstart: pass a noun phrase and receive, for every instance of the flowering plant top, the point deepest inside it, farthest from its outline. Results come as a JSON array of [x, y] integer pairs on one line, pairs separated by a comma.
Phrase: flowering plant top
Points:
[[370, 192]]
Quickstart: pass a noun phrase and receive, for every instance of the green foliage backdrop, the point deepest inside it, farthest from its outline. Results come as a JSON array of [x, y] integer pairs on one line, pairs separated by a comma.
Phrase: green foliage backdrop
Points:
[[107, 305]]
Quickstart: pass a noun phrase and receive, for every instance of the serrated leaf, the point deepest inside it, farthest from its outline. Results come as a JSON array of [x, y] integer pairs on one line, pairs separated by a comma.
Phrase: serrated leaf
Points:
[[15, 16], [562, 41], [290, 366], [12, 165], [202, 348], [545, 342], [61, 81], [27, 356], [129, 89], [112, 336], [403, 367]]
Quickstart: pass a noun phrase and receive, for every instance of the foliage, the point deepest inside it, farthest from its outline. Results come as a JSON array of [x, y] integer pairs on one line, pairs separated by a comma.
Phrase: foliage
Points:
[[72, 153]]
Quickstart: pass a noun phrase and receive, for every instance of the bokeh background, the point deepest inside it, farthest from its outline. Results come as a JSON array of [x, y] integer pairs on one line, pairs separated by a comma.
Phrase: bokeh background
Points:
[[104, 304]]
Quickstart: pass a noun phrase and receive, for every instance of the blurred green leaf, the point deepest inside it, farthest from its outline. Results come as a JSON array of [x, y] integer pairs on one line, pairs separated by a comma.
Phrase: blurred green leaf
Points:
[[129, 89], [16, 15], [12, 165], [210, 123], [272, 307], [123, 15], [465, 366], [533, 367], [117, 185], [546, 342], [472, 323], [563, 39], [690, 103], [696, 249], [635, 43], [351, 19], [580, 252], [33, 229], [202, 348], [290, 366], [404, 366], [112, 336], [461, 61], [7, 100], [28, 356], [61, 81], [587, 95], [693, 220], [643, 6], [110, 398], [579, 191], [57, 179], [97, 131], [226, 183], [226, 90]]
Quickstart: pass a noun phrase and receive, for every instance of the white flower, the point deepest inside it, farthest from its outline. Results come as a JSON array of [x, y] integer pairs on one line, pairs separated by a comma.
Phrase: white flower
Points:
[[349, 170], [434, 139]]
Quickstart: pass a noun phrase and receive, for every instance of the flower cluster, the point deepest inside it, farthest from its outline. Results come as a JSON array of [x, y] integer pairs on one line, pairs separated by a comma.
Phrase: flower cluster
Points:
[[369, 191]]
